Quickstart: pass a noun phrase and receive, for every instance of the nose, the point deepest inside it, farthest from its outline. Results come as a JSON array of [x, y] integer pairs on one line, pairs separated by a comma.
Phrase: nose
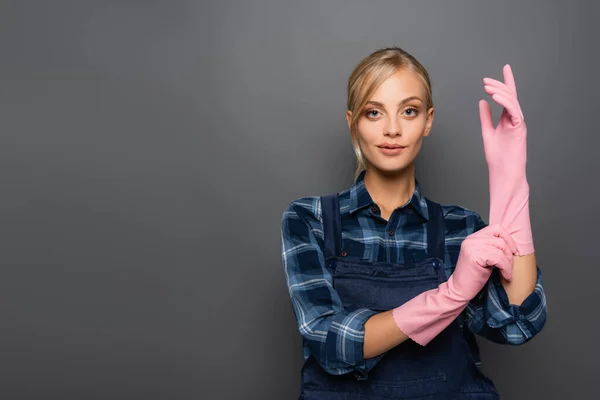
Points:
[[392, 128]]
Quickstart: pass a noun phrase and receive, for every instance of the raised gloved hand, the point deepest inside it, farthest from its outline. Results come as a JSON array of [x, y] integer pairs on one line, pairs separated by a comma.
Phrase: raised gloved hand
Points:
[[506, 155], [423, 317]]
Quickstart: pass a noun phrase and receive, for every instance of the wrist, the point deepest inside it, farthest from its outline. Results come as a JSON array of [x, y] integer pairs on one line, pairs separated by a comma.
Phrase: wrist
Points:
[[456, 292], [504, 178], [426, 315]]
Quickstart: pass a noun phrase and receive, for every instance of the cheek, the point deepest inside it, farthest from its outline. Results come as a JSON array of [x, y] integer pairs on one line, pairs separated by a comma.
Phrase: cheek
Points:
[[368, 132], [415, 130]]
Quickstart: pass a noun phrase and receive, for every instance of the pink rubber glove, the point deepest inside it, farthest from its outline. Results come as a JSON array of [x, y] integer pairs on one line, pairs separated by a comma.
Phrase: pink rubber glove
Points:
[[423, 317], [506, 155]]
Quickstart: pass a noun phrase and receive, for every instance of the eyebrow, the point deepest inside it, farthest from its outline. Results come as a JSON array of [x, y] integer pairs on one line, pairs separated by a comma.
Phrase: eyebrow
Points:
[[376, 103]]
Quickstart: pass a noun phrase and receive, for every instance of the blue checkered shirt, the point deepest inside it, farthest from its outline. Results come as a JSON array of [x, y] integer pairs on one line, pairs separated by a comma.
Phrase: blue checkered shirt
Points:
[[335, 336]]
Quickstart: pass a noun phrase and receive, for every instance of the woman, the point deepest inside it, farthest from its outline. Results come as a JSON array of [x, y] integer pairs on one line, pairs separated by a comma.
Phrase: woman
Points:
[[388, 287]]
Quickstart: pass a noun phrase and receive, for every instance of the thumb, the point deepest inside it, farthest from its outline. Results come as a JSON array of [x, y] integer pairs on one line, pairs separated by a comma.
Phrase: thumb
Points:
[[505, 270], [485, 115], [496, 258]]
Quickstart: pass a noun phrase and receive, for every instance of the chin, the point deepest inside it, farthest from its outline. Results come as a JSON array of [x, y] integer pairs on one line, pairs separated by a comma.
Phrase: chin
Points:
[[391, 169]]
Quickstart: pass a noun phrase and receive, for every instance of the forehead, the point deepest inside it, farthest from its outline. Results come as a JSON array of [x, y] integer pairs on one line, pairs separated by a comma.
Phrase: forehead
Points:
[[400, 85]]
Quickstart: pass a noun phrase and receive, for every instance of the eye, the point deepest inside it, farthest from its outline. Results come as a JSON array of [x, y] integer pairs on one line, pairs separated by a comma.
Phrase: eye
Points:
[[372, 113], [413, 111]]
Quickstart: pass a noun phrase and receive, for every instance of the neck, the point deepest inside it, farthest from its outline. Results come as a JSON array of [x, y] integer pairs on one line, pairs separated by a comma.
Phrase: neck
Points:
[[390, 190]]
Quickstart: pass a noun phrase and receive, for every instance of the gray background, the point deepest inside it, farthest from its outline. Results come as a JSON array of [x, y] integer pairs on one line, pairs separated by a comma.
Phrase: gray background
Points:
[[149, 148]]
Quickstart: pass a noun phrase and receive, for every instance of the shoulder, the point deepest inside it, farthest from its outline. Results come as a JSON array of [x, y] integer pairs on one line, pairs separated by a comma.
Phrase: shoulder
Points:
[[307, 208], [301, 223], [462, 219]]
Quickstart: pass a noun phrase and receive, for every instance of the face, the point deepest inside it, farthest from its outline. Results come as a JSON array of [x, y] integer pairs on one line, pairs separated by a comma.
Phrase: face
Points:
[[393, 123]]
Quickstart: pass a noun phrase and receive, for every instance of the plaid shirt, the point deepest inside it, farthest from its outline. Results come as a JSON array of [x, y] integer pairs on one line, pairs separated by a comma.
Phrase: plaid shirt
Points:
[[335, 336]]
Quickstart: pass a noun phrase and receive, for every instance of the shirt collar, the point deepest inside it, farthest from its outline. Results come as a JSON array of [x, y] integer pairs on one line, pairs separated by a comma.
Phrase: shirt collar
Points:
[[360, 197]]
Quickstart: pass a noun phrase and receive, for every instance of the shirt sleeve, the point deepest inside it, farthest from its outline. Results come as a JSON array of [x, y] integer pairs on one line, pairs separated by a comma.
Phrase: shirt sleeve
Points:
[[334, 334], [491, 315]]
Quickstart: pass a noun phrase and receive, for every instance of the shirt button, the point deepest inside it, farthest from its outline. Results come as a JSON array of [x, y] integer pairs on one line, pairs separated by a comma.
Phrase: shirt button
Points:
[[344, 254], [391, 233], [374, 208]]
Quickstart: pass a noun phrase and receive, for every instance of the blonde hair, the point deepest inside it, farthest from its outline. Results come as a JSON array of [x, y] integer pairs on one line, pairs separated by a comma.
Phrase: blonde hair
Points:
[[366, 78]]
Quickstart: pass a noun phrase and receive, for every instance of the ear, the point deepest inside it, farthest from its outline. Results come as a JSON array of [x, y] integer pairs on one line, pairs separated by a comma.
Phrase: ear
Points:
[[349, 119], [429, 121]]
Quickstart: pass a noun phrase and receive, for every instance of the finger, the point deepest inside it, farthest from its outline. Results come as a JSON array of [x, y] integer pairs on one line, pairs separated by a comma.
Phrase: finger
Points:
[[485, 116], [505, 268], [509, 78], [500, 243], [496, 258], [515, 111], [498, 84], [510, 106], [499, 231], [504, 91]]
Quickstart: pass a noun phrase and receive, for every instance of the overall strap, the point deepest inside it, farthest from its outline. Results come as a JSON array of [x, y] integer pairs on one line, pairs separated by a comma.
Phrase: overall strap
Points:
[[332, 226], [436, 231]]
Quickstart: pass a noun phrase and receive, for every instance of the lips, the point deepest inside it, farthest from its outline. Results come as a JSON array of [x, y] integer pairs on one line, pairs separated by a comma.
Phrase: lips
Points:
[[391, 150]]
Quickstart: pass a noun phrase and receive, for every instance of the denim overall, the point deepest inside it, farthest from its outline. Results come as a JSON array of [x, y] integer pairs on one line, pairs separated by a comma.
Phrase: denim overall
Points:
[[443, 369]]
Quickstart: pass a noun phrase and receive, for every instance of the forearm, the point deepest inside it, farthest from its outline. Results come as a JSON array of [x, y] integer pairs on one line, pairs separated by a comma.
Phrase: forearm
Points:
[[422, 317], [381, 334], [513, 320], [524, 277]]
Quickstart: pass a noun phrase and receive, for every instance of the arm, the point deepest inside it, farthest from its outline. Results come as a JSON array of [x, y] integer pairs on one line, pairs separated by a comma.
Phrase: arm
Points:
[[524, 277], [382, 334], [520, 301], [341, 340], [509, 312]]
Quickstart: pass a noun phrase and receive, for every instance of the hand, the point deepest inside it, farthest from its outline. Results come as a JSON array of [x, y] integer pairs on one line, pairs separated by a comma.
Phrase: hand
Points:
[[505, 149], [479, 252], [505, 145], [423, 317]]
